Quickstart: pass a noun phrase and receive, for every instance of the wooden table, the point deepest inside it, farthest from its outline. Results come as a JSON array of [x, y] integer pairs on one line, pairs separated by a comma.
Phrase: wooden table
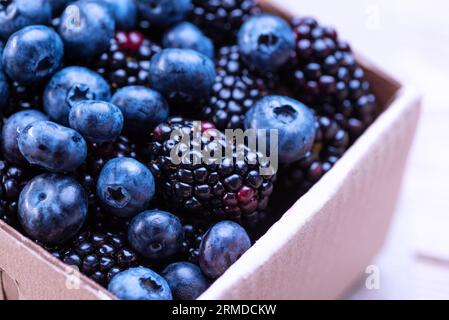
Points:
[[410, 38]]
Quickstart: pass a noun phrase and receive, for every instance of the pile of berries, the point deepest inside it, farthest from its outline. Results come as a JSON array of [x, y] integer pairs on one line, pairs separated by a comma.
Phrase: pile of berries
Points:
[[115, 154]]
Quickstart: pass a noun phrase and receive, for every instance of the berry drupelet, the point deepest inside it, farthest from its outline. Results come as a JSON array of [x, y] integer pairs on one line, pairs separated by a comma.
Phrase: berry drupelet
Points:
[[202, 188], [235, 91], [325, 75], [12, 179], [99, 254], [193, 234], [127, 61], [331, 142], [221, 20]]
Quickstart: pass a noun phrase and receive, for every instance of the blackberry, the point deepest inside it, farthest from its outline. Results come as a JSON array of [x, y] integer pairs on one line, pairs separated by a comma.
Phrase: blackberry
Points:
[[98, 254], [24, 98], [200, 187], [330, 144], [127, 61], [327, 77], [12, 179], [221, 19], [234, 92], [192, 240]]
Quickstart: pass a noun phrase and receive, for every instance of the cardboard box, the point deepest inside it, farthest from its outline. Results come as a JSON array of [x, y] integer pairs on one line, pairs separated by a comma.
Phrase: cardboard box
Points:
[[317, 249]]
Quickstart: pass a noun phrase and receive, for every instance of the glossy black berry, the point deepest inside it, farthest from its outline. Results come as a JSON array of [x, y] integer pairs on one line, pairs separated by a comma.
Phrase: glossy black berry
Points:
[[229, 189], [235, 91], [221, 19], [325, 75], [127, 61]]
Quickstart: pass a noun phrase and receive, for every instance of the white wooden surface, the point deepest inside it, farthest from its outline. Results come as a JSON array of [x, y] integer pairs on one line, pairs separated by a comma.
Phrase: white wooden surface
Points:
[[410, 38]]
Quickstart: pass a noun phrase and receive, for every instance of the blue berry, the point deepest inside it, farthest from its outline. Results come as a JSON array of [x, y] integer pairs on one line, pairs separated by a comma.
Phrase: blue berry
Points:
[[139, 284], [124, 12], [143, 108], [186, 280], [11, 130], [164, 12], [294, 122], [52, 208], [71, 85], [4, 87], [17, 14], [266, 42], [32, 54], [125, 187], [221, 246], [156, 234], [187, 36], [52, 146], [97, 121], [86, 28], [182, 74]]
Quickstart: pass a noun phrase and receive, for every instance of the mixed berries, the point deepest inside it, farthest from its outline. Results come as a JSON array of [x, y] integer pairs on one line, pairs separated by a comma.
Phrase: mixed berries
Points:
[[114, 151]]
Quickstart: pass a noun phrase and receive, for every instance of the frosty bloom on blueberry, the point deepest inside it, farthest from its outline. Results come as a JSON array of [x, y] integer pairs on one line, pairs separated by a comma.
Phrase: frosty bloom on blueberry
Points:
[[4, 86], [186, 280], [182, 74], [125, 187], [70, 85], [17, 14], [124, 12], [186, 36], [11, 131], [52, 208], [97, 121], [156, 234], [32, 54], [266, 42], [293, 121], [140, 284], [52, 146], [142, 108], [89, 33]]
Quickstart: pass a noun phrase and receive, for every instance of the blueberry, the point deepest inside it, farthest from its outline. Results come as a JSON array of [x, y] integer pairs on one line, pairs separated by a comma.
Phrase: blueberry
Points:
[[97, 121], [164, 12], [52, 146], [4, 87], [186, 280], [294, 122], [71, 85], [124, 12], [125, 187], [139, 284], [143, 108], [32, 54], [17, 14], [182, 74], [52, 208], [11, 130], [156, 234], [266, 42], [86, 28], [222, 245], [187, 36]]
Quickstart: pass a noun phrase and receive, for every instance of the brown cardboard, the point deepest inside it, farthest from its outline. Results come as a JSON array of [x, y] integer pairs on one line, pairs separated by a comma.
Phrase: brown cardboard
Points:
[[318, 248]]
